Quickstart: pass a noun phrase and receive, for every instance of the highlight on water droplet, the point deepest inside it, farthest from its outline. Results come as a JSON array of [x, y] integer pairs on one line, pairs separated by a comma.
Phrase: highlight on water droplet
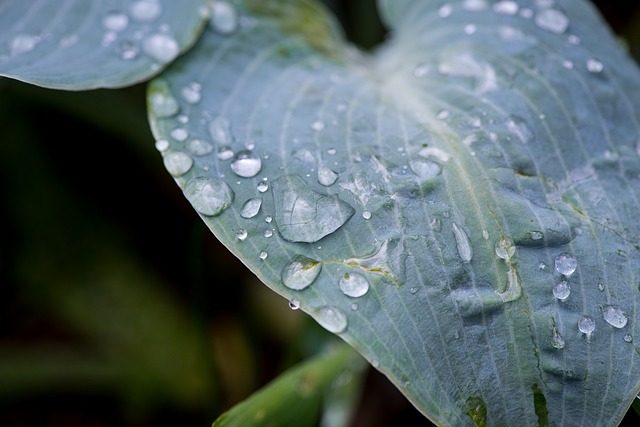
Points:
[[462, 242], [586, 325], [300, 273], [505, 248], [224, 18], [161, 47], [251, 208], [562, 290], [614, 316], [177, 163], [246, 164], [566, 264], [333, 319], [353, 285], [209, 196]]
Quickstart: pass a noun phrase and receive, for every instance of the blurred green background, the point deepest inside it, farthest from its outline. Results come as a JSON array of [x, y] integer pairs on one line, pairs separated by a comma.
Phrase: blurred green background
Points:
[[119, 307]]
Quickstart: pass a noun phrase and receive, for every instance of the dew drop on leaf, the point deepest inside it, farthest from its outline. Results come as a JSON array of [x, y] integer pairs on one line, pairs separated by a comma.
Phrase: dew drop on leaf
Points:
[[177, 163], [425, 169], [628, 338], [162, 145], [294, 304], [225, 153], [263, 187], [594, 66], [246, 164], [220, 131], [506, 7], [462, 243], [562, 290], [586, 325], [161, 47], [505, 248], [115, 21], [614, 316], [23, 43], [224, 18], [366, 215], [300, 273], [163, 103], [332, 319], [199, 147], [145, 10], [191, 93], [354, 285], [251, 208], [179, 134], [566, 264], [242, 234], [263, 255], [552, 20], [474, 5], [536, 235], [209, 196], [326, 176]]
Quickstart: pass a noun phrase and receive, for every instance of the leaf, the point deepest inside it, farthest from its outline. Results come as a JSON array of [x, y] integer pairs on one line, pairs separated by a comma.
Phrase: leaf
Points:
[[295, 397], [489, 154], [88, 44]]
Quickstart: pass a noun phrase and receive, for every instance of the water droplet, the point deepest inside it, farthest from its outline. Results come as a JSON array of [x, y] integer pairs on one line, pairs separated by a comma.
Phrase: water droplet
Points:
[[506, 7], [23, 43], [242, 234], [179, 134], [127, 50], [224, 18], [586, 325], [145, 10], [294, 304], [445, 11], [519, 128], [474, 5], [220, 131], [263, 187], [191, 93], [566, 264], [628, 338], [462, 242], [268, 219], [251, 208], [225, 153], [209, 196], [557, 340], [614, 316], [470, 29], [303, 215], [177, 163], [161, 47], [442, 114], [366, 215], [567, 64], [317, 126], [300, 273], [246, 164], [331, 151], [332, 319], [163, 104], [425, 169], [414, 290], [505, 248], [600, 287], [354, 285], [115, 21], [375, 363], [162, 145], [536, 235], [263, 255], [326, 176], [267, 233], [552, 20], [542, 266], [594, 65], [562, 290], [199, 147], [485, 234]]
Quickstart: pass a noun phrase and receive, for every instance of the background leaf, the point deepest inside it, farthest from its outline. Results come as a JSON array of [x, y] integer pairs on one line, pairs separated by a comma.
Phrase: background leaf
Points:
[[482, 169], [86, 44]]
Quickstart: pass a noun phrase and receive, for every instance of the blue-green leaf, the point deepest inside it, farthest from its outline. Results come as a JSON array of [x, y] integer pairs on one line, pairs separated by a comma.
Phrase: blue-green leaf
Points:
[[461, 206], [87, 44]]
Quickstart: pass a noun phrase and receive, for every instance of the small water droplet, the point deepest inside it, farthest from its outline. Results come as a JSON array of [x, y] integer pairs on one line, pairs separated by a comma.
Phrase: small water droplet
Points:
[[366, 215], [127, 50], [505, 248], [520, 129], [536, 235], [552, 20], [294, 304], [251, 208], [586, 325], [414, 290], [268, 219], [268, 233], [263, 255], [614, 316], [177, 163], [600, 287], [115, 21], [179, 134], [224, 18], [246, 164], [470, 29], [326, 176], [191, 93], [485, 234], [161, 47], [242, 234], [421, 70], [562, 290], [354, 306], [462, 243], [209, 196], [445, 11], [300, 273], [628, 338], [331, 151], [375, 363], [474, 5], [162, 145], [542, 266], [594, 66], [566, 264], [425, 169], [567, 64], [354, 285], [199, 147], [435, 224], [317, 126], [506, 7], [145, 10], [225, 153], [332, 319]]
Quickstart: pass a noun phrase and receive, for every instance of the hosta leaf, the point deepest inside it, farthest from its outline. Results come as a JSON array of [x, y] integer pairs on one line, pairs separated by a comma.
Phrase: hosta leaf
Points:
[[461, 206], [86, 44]]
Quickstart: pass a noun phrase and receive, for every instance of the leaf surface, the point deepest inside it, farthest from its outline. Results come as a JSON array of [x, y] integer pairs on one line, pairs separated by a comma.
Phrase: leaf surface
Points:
[[460, 206], [87, 44]]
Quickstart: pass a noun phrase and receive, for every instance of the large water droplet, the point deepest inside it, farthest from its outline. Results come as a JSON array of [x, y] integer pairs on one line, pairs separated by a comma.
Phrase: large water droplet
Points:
[[115, 21], [300, 273], [303, 215], [354, 285], [332, 319], [199, 147], [326, 176], [220, 131], [425, 169], [614, 316], [586, 325], [209, 196], [463, 244], [562, 290], [251, 208], [161, 47], [177, 163], [224, 18], [145, 10], [246, 164], [505, 248], [552, 20], [566, 264]]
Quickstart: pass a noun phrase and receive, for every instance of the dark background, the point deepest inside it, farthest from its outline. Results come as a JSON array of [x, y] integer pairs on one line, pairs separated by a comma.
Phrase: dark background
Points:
[[119, 307]]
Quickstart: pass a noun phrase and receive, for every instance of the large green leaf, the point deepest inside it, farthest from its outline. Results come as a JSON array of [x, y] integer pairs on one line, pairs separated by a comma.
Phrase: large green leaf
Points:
[[461, 207], [86, 44]]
